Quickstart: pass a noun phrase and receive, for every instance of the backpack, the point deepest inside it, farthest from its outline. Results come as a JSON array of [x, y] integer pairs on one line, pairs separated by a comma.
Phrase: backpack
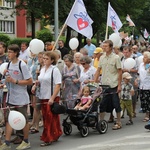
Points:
[[19, 65]]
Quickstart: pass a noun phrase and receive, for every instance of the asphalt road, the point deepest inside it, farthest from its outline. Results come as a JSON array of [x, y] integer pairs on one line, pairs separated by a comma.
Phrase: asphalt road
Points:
[[127, 138]]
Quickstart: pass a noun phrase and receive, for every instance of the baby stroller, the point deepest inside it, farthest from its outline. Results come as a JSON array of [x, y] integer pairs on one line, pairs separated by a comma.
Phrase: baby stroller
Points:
[[84, 119]]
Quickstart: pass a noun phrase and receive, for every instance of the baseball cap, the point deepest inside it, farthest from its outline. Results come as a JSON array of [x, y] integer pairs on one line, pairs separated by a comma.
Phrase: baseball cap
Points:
[[126, 75], [98, 50]]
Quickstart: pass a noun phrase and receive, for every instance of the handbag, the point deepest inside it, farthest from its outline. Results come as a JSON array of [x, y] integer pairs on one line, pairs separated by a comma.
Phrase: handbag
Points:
[[56, 108]]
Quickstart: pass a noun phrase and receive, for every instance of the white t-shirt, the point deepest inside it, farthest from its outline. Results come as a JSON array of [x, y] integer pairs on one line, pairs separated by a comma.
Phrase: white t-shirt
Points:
[[24, 55], [144, 76], [17, 94], [88, 75], [45, 81]]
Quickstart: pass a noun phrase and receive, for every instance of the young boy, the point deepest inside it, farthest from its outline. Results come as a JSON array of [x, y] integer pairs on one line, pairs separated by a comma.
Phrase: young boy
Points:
[[126, 96], [17, 79]]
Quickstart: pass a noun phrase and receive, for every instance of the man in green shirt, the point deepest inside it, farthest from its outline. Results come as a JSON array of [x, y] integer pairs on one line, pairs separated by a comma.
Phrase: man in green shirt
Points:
[[112, 76]]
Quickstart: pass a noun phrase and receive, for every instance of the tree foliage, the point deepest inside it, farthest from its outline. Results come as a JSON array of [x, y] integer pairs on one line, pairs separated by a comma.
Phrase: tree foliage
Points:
[[138, 10]]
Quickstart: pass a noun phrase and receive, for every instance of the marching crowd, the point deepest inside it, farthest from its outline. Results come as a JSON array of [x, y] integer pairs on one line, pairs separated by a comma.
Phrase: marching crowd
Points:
[[36, 81]]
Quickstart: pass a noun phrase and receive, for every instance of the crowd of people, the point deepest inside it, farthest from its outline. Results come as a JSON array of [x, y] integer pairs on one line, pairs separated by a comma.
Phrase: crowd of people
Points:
[[36, 81]]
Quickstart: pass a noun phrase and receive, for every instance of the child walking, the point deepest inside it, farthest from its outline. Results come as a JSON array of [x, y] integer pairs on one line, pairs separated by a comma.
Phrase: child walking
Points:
[[86, 99], [126, 96]]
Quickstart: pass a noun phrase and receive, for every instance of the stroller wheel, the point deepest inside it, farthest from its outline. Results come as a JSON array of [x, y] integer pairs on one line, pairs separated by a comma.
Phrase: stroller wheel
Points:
[[84, 131], [102, 126], [67, 129]]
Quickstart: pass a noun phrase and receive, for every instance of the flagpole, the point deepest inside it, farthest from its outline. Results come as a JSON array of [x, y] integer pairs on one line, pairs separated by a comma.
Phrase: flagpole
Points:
[[106, 35], [64, 26], [133, 32]]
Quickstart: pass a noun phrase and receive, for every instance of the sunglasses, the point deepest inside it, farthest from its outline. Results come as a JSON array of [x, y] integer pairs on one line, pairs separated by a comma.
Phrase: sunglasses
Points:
[[83, 63]]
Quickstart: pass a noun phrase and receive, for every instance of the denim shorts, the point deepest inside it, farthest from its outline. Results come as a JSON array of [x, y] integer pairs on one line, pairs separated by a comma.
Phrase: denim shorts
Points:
[[110, 101]]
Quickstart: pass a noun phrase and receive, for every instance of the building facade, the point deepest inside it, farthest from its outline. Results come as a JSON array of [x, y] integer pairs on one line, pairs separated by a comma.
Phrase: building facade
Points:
[[15, 25]]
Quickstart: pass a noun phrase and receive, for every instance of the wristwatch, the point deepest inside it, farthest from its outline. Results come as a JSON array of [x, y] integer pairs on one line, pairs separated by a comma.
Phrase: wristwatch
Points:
[[16, 81]]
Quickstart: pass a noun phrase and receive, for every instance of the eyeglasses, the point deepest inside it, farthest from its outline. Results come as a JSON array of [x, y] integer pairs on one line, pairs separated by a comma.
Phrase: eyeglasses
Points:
[[83, 63], [45, 58]]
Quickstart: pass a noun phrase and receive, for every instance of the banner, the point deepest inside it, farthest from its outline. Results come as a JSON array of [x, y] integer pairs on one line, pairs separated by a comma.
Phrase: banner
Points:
[[131, 23], [79, 20], [146, 35], [113, 19]]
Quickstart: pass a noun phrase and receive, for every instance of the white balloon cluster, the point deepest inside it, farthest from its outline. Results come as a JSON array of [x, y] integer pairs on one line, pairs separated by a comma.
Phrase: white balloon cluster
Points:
[[115, 38]]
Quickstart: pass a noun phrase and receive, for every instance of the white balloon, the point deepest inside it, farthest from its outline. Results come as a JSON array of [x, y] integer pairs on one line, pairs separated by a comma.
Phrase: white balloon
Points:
[[115, 38], [36, 46], [140, 60], [114, 113], [129, 63], [3, 67], [29, 52], [120, 43], [73, 43], [16, 120]]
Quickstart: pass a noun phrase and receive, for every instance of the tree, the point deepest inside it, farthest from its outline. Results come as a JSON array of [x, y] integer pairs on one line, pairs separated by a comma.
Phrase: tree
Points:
[[35, 9], [97, 10]]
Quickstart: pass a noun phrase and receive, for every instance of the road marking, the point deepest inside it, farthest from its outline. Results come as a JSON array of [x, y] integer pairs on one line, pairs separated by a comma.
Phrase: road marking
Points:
[[119, 144]]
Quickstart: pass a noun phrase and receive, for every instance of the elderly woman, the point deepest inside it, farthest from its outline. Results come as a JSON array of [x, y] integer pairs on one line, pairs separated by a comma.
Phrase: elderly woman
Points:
[[144, 77], [87, 74], [60, 63], [77, 57], [49, 93], [71, 84]]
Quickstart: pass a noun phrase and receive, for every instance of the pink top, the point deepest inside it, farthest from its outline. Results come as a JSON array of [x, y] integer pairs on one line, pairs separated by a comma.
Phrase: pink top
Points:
[[84, 99]]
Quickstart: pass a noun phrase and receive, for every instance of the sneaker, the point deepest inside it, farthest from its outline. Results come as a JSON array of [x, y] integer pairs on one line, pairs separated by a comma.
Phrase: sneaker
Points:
[[4, 146], [24, 145]]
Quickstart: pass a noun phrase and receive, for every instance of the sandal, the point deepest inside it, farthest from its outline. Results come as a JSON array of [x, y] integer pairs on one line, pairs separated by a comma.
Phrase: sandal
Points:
[[130, 122], [34, 131], [117, 126], [145, 119], [45, 144]]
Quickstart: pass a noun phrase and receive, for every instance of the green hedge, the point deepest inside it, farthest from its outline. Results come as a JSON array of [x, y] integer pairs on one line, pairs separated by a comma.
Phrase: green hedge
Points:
[[19, 40], [5, 38], [45, 35]]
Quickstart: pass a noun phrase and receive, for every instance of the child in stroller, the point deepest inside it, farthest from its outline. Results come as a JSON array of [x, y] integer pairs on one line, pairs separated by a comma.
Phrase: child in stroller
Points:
[[86, 99], [86, 118]]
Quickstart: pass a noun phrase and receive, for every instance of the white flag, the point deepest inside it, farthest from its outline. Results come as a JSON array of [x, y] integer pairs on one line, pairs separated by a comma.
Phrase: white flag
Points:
[[146, 35], [131, 23], [79, 20], [113, 19]]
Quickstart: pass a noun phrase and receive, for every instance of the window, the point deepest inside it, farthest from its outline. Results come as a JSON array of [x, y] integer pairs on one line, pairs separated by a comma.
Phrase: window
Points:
[[7, 26], [7, 3], [1, 2]]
